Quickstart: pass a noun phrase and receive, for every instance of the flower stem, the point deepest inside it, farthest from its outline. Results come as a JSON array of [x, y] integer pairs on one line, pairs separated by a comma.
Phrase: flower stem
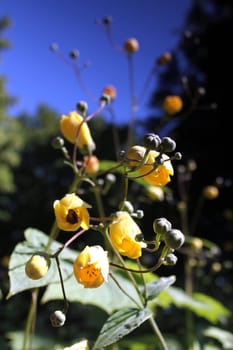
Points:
[[158, 333]]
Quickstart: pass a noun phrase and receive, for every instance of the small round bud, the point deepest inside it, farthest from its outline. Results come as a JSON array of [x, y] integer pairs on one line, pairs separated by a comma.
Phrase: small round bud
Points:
[[152, 141], [135, 155], [53, 47], [171, 259], [74, 54], [178, 156], [127, 206], [91, 164], [110, 178], [131, 45], [168, 145], [139, 214], [165, 58], [110, 91], [196, 244], [174, 238], [107, 20], [57, 318], [161, 226], [172, 104], [105, 98], [201, 91], [82, 107], [37, 266], [210, 192], [58, 142]]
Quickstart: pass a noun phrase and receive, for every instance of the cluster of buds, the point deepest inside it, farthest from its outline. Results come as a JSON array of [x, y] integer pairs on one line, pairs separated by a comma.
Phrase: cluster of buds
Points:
[[172, 238], [151, 160]]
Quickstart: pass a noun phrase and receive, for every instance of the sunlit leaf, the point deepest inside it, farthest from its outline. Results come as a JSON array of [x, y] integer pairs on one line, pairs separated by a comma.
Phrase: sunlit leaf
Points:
[[156, 287], [36, 241], [201, 304], [119, 325], [224, 337], [114, 298]]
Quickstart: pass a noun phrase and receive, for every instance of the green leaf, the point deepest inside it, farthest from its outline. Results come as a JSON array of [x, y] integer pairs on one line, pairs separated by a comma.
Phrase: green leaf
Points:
[[36, 241], [156, 287], [119, 325], [114, 298], [201, 304], [223, 336]]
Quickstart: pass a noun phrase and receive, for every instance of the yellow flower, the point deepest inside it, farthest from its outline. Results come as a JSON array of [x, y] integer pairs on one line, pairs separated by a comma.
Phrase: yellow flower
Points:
[[75, 130], [71, 212], [172, 104], [123, 231], [161, 175], [91, 267]]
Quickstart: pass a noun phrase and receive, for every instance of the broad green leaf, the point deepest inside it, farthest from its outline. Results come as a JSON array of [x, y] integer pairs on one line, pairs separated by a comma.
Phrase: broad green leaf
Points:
[[119, 325], [36, 241], [156, 287], [224, 337], [114, 299], [201, 304]]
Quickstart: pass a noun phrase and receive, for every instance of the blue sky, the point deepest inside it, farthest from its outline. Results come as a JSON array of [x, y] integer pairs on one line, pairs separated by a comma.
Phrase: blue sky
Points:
[[37, 75]]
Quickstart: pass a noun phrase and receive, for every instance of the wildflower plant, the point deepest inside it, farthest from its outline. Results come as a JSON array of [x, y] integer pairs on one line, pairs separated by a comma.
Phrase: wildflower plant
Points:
[[112, 262]]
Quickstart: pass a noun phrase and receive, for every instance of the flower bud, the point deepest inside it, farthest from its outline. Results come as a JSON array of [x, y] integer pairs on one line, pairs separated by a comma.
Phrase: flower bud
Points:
[[161, 226], [131, 45], [110, 91], [210, 192], [167, 145], [57, 318], [74, 54], [82, 107], [174, 238], [37, 266], [152, 141], [127, 206], [178, 156], [53, 47], [165, 58], [135, 155], [105, 98], [58, 142], [171, 259], [91, 164], [172, 104]]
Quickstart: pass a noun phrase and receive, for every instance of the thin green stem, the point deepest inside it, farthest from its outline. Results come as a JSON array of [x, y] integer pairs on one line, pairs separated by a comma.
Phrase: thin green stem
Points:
[[124, 291], [158, 333], [30, 322]]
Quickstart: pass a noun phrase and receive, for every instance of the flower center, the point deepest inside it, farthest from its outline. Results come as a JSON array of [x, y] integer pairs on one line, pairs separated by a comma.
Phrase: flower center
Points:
[[72, 217]]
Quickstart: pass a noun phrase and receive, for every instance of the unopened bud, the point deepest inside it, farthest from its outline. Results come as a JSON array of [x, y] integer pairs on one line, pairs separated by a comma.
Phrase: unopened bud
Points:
[[74, 54], [161, 226], [58, 142], [57, 318], [168, 145], [82, 107], [152, 141], [171, 259], [174, 238]]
